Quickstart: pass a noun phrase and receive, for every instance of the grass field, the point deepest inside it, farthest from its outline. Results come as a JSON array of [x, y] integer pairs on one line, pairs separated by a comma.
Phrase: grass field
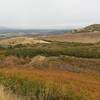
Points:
[[82, 86], [84, 37], [55, 48], [54, 71]]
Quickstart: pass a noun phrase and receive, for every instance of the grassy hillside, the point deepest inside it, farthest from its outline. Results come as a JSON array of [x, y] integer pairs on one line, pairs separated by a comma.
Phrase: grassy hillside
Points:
[[82, 50], [84, 37], [51, 71], [51, 84], [90, 28]]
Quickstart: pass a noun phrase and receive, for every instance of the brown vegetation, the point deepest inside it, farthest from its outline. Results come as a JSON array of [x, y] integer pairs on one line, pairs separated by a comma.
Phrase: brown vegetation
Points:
[[53, 68], [21, 40], [84, 37], [78, 81]]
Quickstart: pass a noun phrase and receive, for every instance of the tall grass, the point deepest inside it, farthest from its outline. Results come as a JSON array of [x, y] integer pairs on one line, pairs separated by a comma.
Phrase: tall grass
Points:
[[39, 90]]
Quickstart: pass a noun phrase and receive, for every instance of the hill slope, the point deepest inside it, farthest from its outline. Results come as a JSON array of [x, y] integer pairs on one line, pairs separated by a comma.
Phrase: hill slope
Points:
[[21, 40], [90, 28], [89, 34]]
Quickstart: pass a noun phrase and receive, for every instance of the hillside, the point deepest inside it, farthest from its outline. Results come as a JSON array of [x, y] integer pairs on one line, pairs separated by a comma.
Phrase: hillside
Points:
[[55, 67], [90, 28], [21, 40], [89, 34], [84, 37]]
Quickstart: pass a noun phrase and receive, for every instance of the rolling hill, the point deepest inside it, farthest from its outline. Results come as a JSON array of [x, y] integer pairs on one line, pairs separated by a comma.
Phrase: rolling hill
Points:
[[90, 28], [51, 67], [89, 34]]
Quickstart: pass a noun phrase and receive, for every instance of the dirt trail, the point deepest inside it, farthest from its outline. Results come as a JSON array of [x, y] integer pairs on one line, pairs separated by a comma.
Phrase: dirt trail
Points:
[[5, 95]]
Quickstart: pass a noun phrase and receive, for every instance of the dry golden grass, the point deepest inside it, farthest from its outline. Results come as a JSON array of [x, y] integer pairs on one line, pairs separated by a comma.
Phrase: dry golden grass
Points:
[[78, 81], [90, 37], [7, 95], [21, 40]]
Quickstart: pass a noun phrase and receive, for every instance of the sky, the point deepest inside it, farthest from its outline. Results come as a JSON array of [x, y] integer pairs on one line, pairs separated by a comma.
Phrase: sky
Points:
[[49, 13]]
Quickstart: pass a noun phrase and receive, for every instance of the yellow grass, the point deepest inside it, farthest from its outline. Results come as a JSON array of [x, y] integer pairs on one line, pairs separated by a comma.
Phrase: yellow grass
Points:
[[7, 95], [78, 81], [21, 40], [90, 37]]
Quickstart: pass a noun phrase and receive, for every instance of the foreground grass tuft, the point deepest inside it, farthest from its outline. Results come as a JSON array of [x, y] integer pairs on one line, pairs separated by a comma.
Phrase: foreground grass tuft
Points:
[[39, 90]]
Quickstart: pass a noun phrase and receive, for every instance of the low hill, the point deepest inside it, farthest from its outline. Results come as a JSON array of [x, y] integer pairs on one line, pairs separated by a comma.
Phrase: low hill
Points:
[[89, 34], [90, 28], [82, 37]]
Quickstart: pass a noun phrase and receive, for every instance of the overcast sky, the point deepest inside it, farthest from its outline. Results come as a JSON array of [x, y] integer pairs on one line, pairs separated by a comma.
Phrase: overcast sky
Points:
[[47, 13]]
